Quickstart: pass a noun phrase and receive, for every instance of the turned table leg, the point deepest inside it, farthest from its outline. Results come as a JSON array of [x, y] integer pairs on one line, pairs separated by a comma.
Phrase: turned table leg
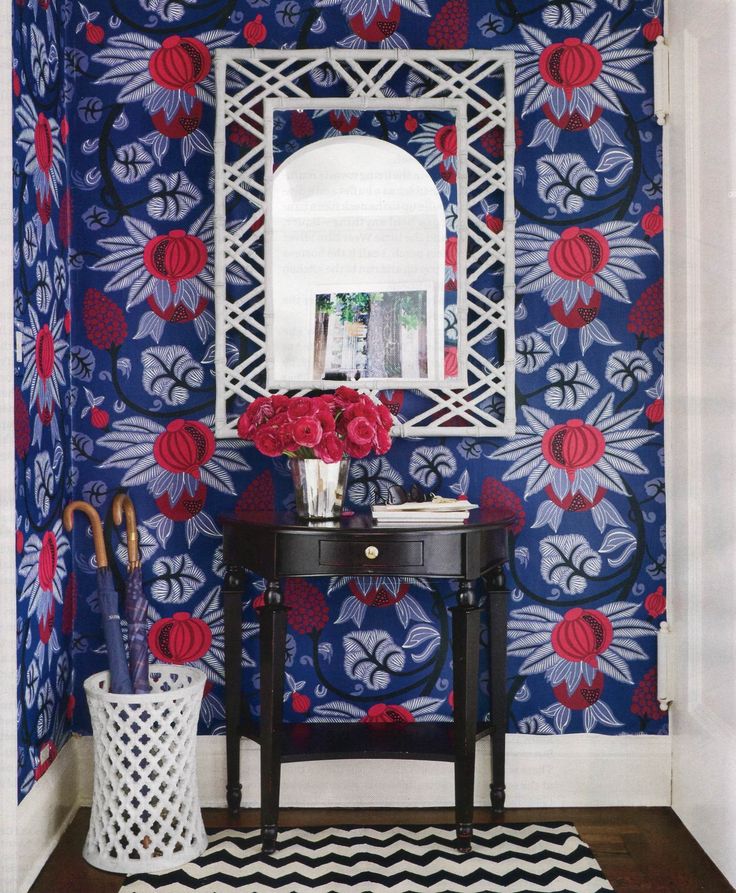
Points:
[[498, 619], [465, 647], [272, 622], [232, 595]]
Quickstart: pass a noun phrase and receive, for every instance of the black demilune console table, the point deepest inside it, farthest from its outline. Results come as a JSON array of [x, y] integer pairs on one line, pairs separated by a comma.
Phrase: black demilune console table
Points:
[[275, 545]]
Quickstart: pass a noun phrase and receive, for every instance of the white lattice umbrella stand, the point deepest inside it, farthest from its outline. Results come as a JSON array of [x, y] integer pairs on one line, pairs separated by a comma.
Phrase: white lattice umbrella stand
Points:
[[145, 806]]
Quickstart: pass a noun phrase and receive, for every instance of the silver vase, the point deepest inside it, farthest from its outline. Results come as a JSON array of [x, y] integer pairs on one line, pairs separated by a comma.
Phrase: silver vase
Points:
[[319, 487]]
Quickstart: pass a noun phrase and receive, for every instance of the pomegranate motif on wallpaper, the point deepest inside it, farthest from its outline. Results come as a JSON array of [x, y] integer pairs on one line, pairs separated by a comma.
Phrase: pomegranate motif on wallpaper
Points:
[[113, 130]]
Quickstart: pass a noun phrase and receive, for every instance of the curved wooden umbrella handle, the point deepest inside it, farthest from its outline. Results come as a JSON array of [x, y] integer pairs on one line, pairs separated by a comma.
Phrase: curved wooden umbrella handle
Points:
[[95, 523], [123, 504]]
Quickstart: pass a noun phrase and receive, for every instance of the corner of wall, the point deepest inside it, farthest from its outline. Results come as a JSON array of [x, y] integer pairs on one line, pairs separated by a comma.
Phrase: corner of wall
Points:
[[8, 748], [45, 813]]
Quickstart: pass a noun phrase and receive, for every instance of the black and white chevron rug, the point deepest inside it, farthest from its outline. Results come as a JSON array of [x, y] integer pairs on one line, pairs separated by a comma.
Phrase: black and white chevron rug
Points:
[[543, 858]]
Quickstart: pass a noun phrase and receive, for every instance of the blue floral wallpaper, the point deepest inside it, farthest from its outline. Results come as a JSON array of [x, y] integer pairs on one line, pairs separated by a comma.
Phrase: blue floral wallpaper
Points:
[[118, 181], [43, 397]]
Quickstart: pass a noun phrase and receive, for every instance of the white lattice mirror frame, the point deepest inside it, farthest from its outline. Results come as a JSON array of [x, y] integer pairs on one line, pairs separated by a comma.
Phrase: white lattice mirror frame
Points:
[[245, 80]]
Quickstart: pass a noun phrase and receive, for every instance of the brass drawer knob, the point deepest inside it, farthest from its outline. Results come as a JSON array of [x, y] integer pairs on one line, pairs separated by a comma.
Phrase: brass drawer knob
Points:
[[371, 552]]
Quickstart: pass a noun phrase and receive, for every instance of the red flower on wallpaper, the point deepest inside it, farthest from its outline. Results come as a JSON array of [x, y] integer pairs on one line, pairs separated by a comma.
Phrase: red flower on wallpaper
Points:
[[583, 318], [656, 603], [195, 636], [496, 496], [258, 496], [104, 322], [172, 272], [655, 411], [388, 713], [420, 709], [300, 702], [308, 610], [379, 592], [436, 145], [179, 639], [44, 351], [39, 137], [652, 30], [375, 21], [174, 257], [646, 317], [644, 703], [43, 571], [255, 31], [574, 651], [449, 27], [344, 121], [575, 80], [573, 269], [173, 79], [582, 635], [177, 463], [22, 425], [652, 222], [577, 461], [572, 265], [586, 699]]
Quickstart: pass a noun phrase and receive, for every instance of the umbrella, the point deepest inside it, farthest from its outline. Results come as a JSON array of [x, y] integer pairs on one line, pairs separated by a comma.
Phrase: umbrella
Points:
[[108, 597], [135, 602]]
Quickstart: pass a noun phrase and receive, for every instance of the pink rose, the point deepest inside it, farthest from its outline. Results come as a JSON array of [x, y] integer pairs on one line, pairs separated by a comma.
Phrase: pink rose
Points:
[[383, 441], [330, 449], [300, 407], [345, 396], [327, 400], [259, 410], [357, 450], [360, 430], [244, 427], [369, 408], [286, 433], [384, 416], [307, 431], [268, 442], [326, 419]]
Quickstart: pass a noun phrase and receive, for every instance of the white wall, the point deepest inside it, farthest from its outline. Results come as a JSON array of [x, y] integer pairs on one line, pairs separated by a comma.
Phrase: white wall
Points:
[[700, 433], [8, 750]]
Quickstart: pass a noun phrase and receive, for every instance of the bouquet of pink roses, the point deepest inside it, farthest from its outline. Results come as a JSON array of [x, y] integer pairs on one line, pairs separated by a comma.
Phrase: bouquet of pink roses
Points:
[[328, 427]]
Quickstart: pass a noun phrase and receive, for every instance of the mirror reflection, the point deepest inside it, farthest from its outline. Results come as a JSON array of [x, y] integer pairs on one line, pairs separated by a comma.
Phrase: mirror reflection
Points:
[[356, 246]]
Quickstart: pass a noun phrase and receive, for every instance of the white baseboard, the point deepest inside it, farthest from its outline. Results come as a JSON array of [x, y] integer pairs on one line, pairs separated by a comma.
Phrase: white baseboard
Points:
[[46, 812], [541, 771]]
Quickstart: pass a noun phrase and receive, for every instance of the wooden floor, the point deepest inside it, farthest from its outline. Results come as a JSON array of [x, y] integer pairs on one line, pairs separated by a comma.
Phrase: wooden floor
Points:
[[640, 850]]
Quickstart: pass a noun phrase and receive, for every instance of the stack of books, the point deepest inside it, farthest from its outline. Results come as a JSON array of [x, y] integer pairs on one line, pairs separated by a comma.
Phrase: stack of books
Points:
[[438, 512]]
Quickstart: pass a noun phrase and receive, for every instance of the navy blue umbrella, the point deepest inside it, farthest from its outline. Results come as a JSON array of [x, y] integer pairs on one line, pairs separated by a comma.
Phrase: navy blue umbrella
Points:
[[108, 598], [135, 602]]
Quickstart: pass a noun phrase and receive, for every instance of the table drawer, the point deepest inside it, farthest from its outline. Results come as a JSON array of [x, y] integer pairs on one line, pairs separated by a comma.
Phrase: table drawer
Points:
[[367, 555]]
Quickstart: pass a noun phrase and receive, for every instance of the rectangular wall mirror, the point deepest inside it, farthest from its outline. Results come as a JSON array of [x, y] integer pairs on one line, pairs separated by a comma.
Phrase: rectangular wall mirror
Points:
[[364, 207]]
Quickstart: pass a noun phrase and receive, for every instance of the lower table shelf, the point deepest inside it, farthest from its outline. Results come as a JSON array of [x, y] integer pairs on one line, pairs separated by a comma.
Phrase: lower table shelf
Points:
[[346, 740]]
